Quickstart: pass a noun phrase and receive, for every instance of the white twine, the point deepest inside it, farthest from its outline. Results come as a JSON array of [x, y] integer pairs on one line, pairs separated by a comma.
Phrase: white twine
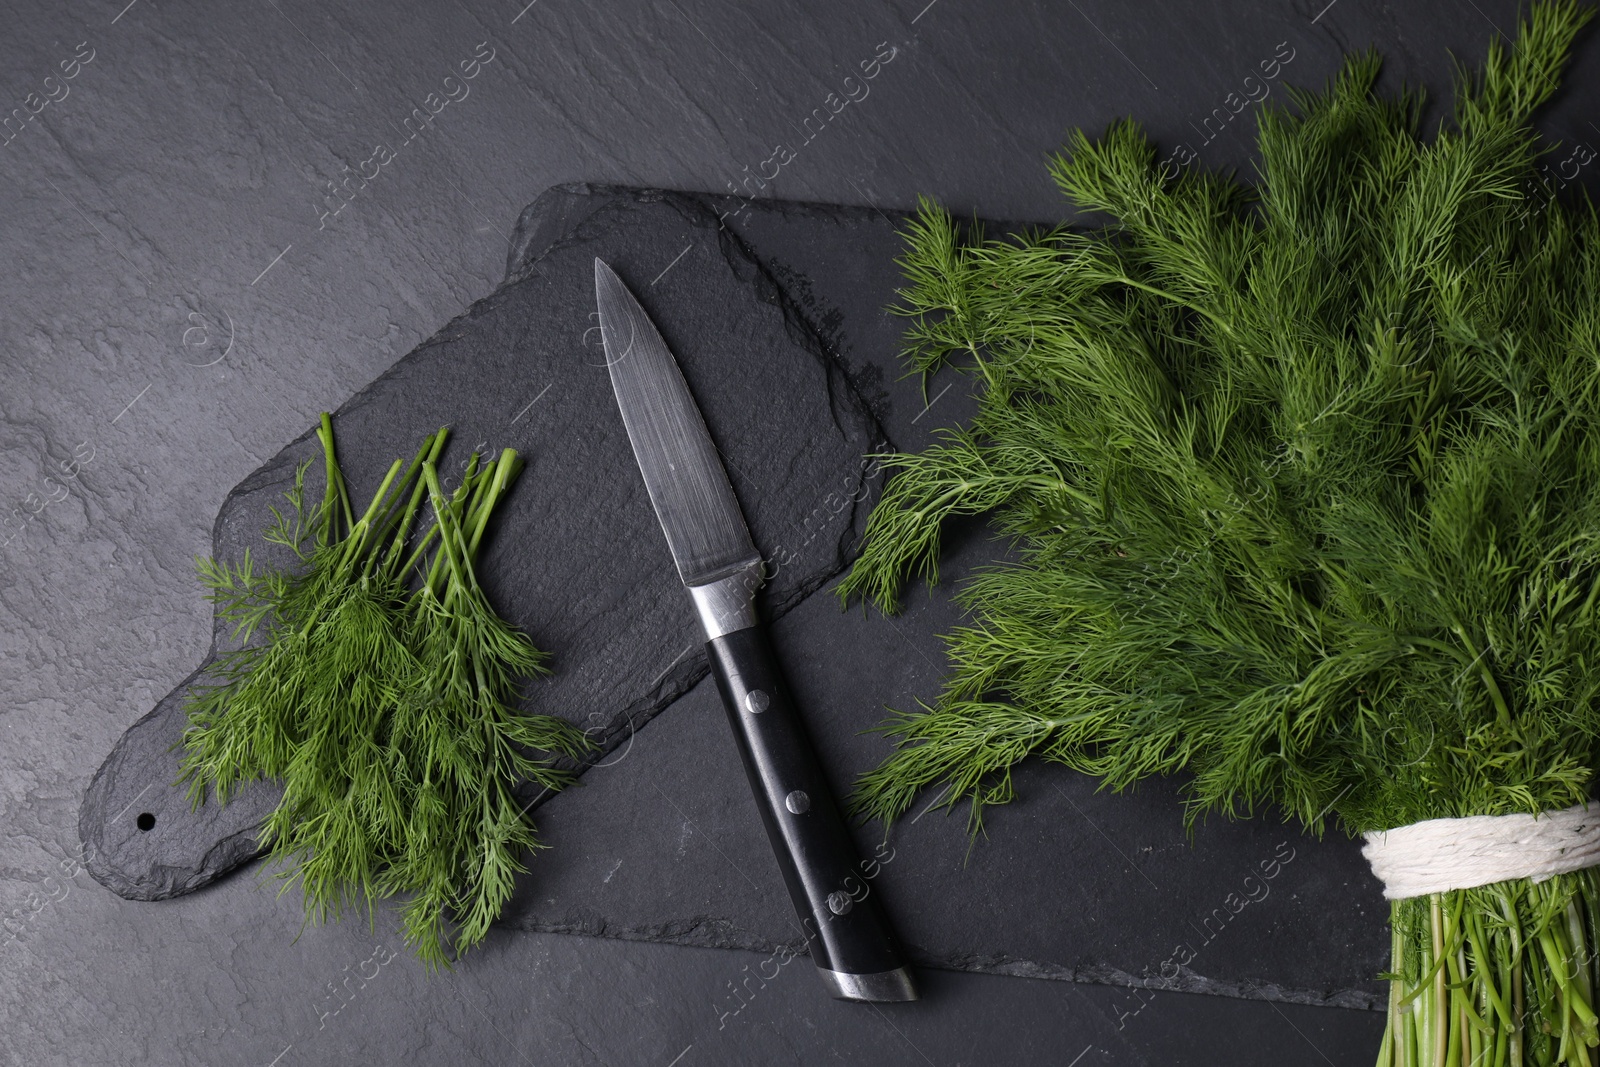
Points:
[[1443, 854]]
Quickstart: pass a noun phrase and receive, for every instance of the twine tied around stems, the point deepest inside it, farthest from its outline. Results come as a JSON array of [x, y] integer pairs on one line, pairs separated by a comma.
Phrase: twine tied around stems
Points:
[[1437, 855]]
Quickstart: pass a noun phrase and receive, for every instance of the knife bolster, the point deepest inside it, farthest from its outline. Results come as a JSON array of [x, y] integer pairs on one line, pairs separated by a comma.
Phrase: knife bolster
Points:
[[728, 604], [884, 987]]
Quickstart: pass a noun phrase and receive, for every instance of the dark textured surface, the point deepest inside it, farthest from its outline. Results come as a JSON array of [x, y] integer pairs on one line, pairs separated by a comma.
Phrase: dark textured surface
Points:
[[175, 307], [574, 557]]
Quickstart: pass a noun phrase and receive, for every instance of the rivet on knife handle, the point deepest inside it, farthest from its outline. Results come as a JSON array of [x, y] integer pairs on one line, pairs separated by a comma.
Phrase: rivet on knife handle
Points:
[[848, 935], [849, 939]]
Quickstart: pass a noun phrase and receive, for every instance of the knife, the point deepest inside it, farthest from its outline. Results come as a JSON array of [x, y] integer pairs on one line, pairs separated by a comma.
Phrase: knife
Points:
[[845, 929]]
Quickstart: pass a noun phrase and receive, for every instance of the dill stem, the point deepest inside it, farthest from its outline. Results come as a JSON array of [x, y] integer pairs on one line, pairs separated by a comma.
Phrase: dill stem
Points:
[[486, 497], [506, 469], [447, 527], [447, 513], [355, 541], [1395, 1050], [1588, 603], [433, 530], [378, 497], [1495, 1006], [335, 488], [1516, 976], [348, 554], [1469, 662], [396, 507], [431, 449], [1438, 1022], [1154, 291], [1493, 687]]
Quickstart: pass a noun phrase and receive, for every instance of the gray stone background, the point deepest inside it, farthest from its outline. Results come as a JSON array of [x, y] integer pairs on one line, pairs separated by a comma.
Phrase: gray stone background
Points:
[[176, 308]]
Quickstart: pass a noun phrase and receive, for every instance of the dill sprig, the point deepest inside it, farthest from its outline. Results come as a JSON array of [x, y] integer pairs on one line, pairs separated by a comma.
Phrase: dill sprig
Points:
[[1301, 480], [381, 686]]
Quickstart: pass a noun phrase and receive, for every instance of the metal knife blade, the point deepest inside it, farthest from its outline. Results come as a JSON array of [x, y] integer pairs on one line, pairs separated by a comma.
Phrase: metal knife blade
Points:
[[845, 929], [681, 466]]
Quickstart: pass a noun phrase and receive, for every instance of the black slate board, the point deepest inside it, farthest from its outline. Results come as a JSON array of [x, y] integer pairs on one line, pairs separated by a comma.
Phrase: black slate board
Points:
[[1069, 883], [665, 843], [576, 557]]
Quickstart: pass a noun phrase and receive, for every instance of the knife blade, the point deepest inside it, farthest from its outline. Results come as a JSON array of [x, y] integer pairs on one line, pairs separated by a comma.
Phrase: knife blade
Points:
[[847, 933]]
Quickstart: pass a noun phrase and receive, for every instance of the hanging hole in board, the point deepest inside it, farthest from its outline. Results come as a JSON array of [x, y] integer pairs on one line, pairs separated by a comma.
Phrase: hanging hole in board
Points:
[[145, 821]]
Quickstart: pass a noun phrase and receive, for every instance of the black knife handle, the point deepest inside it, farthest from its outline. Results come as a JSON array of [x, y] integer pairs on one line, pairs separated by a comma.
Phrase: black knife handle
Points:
[[845, 928]]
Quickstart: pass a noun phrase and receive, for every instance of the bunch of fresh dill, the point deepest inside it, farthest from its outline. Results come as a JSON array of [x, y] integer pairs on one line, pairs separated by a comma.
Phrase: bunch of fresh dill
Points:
[[381, 688], [1304, 484]]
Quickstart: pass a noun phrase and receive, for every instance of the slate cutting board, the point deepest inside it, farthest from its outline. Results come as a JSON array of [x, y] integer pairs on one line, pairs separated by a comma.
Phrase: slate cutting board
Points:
[[664, 843], [575, 557]]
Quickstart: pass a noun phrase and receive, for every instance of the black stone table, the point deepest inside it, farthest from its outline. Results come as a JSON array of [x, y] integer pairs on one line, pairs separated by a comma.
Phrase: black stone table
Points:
[[220, 222]]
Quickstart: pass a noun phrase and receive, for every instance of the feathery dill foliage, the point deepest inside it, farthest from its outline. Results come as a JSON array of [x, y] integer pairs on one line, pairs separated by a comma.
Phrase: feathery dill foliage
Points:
[[1305, 478], [1304, 484], [381, 687]]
